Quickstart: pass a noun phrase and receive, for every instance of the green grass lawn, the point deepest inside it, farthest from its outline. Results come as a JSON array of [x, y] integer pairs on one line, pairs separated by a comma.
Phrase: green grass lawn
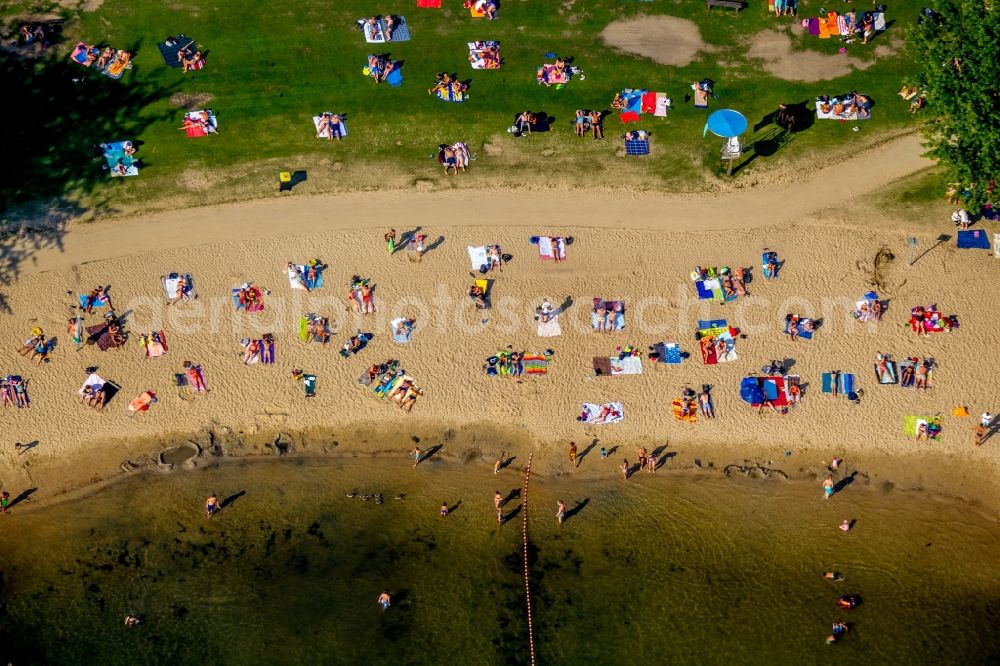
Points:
[[272, 66]]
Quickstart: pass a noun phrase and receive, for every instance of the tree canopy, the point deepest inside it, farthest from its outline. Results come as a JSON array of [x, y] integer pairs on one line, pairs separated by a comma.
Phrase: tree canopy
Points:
[[957, 50]]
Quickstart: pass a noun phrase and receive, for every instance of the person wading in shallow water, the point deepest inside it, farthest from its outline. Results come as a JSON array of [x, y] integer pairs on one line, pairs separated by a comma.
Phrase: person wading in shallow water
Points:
[[561, 511], [212, 505], [384, 600]]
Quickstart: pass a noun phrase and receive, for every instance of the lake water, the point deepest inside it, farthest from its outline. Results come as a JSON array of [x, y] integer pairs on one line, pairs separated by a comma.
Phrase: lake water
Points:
[[663, 568]]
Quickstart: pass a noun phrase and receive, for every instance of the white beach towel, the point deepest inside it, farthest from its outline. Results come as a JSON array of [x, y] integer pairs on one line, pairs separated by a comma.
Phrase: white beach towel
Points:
[[325, 134], [591, 413], [662, 105], [550, 329], [630, 365], [93, 380], [172, 281], [296, 278], [549, 248], [478, 257]]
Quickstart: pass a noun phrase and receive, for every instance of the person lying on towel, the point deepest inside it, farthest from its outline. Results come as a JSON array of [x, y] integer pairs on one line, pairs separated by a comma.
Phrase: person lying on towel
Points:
[[477, 295], [329, 126], [487, 8], [487, 55], [379, 67]]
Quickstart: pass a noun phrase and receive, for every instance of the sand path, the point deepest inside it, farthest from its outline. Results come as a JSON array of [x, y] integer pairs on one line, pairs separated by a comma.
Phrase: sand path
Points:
[[822, 189]]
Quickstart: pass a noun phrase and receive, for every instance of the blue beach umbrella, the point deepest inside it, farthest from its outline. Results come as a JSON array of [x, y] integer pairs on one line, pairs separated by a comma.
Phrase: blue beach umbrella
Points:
[[726, 123]]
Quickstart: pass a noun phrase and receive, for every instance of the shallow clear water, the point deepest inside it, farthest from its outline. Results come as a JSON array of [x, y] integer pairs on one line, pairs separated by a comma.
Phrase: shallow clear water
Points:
[[654, 570]]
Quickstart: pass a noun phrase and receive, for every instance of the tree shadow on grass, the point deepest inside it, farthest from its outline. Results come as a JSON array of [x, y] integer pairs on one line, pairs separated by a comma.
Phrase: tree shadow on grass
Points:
[[53, 168]]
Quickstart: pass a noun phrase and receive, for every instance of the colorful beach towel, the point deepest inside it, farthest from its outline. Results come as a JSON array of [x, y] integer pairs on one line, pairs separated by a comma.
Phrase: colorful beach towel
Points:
[[170, 51], [595, 414], [298, 277], [535, 364], [119, 162], [800, 329], [258, 302], [477, 52], [666, 352], [912, 424], [449, 94], [838, 383], [194, 127], [154, 343], [429, 4], [689, 415]]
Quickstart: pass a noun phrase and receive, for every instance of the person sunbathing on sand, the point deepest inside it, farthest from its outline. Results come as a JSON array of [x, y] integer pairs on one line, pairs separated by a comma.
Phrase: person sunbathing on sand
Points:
[[40, 352], [401, 389], [252, 352], [792, 321], [921, 372], [740, 281], [409, 399], [721, 350], [707, 345], [367, 299], [30, 343]]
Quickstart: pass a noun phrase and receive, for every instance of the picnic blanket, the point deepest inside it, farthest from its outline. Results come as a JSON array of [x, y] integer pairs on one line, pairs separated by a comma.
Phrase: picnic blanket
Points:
[[550, 247], [850, 113], [973, 239], [637, 146], [171, 284], [666, 352], [170, 51], [256, 306], [449, 94], [677, 408], [911, 425], [375, 34], [155, 343], [535, 364], [547, 74], [614, 367], [115, 65], [549, 329], [142, 403], [194, 129], [595, 414], [405, 330], [476, 51], [325, 133], [299, 279], [114, 154], [838, 383], [478, 258]]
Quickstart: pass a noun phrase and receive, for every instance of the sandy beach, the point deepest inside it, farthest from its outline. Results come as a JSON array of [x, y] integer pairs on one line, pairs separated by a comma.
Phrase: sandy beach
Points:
[[637, 249]]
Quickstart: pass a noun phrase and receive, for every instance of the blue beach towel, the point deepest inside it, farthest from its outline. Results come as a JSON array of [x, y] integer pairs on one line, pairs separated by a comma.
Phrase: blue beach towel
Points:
[[637, 146], [99, 303], [711, 323], [704, 293], [974, 239]]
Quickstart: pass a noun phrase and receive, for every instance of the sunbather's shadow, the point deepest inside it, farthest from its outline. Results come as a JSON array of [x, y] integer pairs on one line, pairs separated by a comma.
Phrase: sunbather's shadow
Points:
[[507, 462], [467, 84], [430, 452], [435, 245], [511, 496], [507, 517], [612, 450], [577, 508], [788, 364], [406, 238], [992, 430], [566, 305], [846, 481], [583, 454], [32, 444], [231, 499], [110, 391], [662, 454], [25, 494], [454, 507]]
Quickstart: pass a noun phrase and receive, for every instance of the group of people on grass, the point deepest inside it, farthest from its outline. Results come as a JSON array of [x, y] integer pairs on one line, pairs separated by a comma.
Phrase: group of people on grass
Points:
[[851, 104]]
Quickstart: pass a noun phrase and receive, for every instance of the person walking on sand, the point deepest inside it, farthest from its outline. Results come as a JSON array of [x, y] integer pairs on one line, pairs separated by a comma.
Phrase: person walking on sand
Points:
[[641, 455], [572, 454], [416, 453], [651, 463], [444, 509], [828, 487], [561, 511], [212, 505], [497, 500], [390, 240], [499, 463], [625, 469], [384, 600], [604, 453], [4, 501], [980, 434]]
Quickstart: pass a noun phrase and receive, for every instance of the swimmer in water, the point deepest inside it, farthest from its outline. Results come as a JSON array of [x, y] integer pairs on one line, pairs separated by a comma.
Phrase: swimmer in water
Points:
[[828, 487], [212, 505], [444, 509], [384, 600], [845, 526], [832, 575], [561, 511], [497, 500], [131, 620]]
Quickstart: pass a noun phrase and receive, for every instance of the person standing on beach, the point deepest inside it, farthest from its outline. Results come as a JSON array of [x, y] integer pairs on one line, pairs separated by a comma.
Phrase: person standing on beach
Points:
[[561, 511], [572, 454], [4, 501], [651, 463], [497, 500], [390, 240], [980, 434], [604, 453], [499, 463], [416, 453], [641, 454], [828, 487], [986, 420], [212, 505], [625, 469]]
